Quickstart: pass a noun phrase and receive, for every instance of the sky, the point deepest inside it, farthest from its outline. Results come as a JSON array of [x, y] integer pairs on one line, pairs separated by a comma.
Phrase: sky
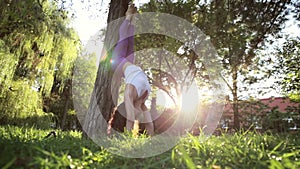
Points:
[[86, 23], [89, 20]]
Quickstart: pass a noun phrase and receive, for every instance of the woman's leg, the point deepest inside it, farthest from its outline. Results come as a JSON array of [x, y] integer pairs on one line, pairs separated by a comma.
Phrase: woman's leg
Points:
[[124, 47], [120, 51], [130, 51]]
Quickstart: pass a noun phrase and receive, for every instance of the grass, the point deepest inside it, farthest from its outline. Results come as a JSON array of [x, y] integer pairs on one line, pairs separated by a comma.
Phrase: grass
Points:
[[28, 148]]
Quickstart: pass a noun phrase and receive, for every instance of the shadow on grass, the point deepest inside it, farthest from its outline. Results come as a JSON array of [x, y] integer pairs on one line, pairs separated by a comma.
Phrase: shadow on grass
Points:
[[23, 146]]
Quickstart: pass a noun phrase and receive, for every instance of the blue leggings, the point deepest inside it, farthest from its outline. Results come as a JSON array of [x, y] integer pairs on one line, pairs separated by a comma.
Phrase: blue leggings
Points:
[[124, 47]]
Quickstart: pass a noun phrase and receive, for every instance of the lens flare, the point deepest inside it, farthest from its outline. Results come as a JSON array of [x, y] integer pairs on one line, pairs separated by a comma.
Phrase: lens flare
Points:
[[178, 102]]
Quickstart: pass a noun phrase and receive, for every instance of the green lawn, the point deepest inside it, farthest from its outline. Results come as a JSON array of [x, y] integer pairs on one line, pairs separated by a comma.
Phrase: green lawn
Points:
[[28, 148]]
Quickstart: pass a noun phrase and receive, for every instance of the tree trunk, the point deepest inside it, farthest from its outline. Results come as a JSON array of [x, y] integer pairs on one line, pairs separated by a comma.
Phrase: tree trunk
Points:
[[67, 94], [101, 103], [235, 99], [66, 108]]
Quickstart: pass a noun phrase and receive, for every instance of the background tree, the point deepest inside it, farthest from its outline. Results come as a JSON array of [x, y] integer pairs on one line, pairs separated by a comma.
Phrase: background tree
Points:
[[237, 29], [38, 50], [288, 76], [288, 67]]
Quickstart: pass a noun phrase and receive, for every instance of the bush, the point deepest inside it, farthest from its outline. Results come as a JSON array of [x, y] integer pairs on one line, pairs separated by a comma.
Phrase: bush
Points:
[[23, 106]]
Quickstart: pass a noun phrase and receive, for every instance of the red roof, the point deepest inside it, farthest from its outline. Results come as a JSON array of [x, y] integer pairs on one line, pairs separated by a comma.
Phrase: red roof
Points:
[[281, 103]]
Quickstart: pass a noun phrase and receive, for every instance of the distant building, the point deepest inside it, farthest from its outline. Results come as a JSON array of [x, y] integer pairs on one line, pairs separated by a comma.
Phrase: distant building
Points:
[[278, 113]]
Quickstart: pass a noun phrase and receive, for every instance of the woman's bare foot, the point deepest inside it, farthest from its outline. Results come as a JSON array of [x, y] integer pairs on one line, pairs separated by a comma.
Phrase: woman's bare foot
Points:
[[130, 11]]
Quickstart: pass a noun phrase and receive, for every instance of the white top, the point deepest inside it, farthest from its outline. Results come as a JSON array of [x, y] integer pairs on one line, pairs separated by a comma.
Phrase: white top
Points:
[[135, 75]]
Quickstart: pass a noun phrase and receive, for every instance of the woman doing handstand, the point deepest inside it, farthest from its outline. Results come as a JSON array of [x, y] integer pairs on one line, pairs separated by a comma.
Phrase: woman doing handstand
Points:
[[137, 88]]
